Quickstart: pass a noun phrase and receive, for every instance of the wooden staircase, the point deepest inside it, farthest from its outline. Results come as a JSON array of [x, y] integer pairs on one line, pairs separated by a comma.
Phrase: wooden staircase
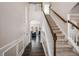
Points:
[[62, 46]]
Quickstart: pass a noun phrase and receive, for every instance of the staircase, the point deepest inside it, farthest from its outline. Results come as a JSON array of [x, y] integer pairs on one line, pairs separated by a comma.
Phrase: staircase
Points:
[[62, 46]]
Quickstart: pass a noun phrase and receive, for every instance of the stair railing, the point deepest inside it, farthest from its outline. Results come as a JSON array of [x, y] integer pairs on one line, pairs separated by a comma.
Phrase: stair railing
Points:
[[53, 34], [75, 35], [58, 15], [75, 42]]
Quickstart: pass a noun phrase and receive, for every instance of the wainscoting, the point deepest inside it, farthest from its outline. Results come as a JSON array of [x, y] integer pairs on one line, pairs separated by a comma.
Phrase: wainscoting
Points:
[[15, 48]]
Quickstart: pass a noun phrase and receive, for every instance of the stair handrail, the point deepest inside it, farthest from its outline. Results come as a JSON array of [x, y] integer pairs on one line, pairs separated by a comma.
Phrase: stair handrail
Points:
[[64, 19], [58, 15], [53, 34], [73, 24]]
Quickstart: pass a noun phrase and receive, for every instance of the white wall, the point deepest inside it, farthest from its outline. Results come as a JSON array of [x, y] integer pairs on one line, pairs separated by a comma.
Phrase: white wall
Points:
[[13, 25], [35, 10], [75, 9], [34, 25]]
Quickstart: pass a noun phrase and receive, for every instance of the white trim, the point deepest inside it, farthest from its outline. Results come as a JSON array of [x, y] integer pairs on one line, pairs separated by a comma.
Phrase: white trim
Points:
[[21, 52], [44, 49], [69, 38], [42, 40], [12, 44], [17, 50], [73, 44], [8, 44], [9, 49], [68, 17]]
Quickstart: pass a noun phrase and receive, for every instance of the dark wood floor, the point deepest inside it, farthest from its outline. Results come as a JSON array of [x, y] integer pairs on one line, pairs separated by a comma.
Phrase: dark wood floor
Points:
[[34, 49]]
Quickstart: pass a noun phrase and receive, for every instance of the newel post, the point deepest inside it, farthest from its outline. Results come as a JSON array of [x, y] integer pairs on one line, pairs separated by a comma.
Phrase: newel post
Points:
[[54, 38]]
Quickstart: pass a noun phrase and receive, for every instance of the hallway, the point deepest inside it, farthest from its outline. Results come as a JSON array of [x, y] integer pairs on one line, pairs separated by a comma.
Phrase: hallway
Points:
[[34, 49]]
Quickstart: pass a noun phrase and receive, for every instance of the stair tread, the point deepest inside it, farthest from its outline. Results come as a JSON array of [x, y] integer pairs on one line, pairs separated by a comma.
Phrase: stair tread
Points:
[[55, 28], [60, 37], [61, 40], [66, 54], [63, 46], [59, 34]]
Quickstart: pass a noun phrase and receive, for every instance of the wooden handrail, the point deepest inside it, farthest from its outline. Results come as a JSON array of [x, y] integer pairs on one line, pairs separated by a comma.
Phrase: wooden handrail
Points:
[[58, 15], [64, 19], [53, 34], [73, 24]]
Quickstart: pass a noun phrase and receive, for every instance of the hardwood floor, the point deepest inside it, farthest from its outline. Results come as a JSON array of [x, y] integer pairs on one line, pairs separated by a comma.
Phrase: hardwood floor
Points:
[[34, 49]]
